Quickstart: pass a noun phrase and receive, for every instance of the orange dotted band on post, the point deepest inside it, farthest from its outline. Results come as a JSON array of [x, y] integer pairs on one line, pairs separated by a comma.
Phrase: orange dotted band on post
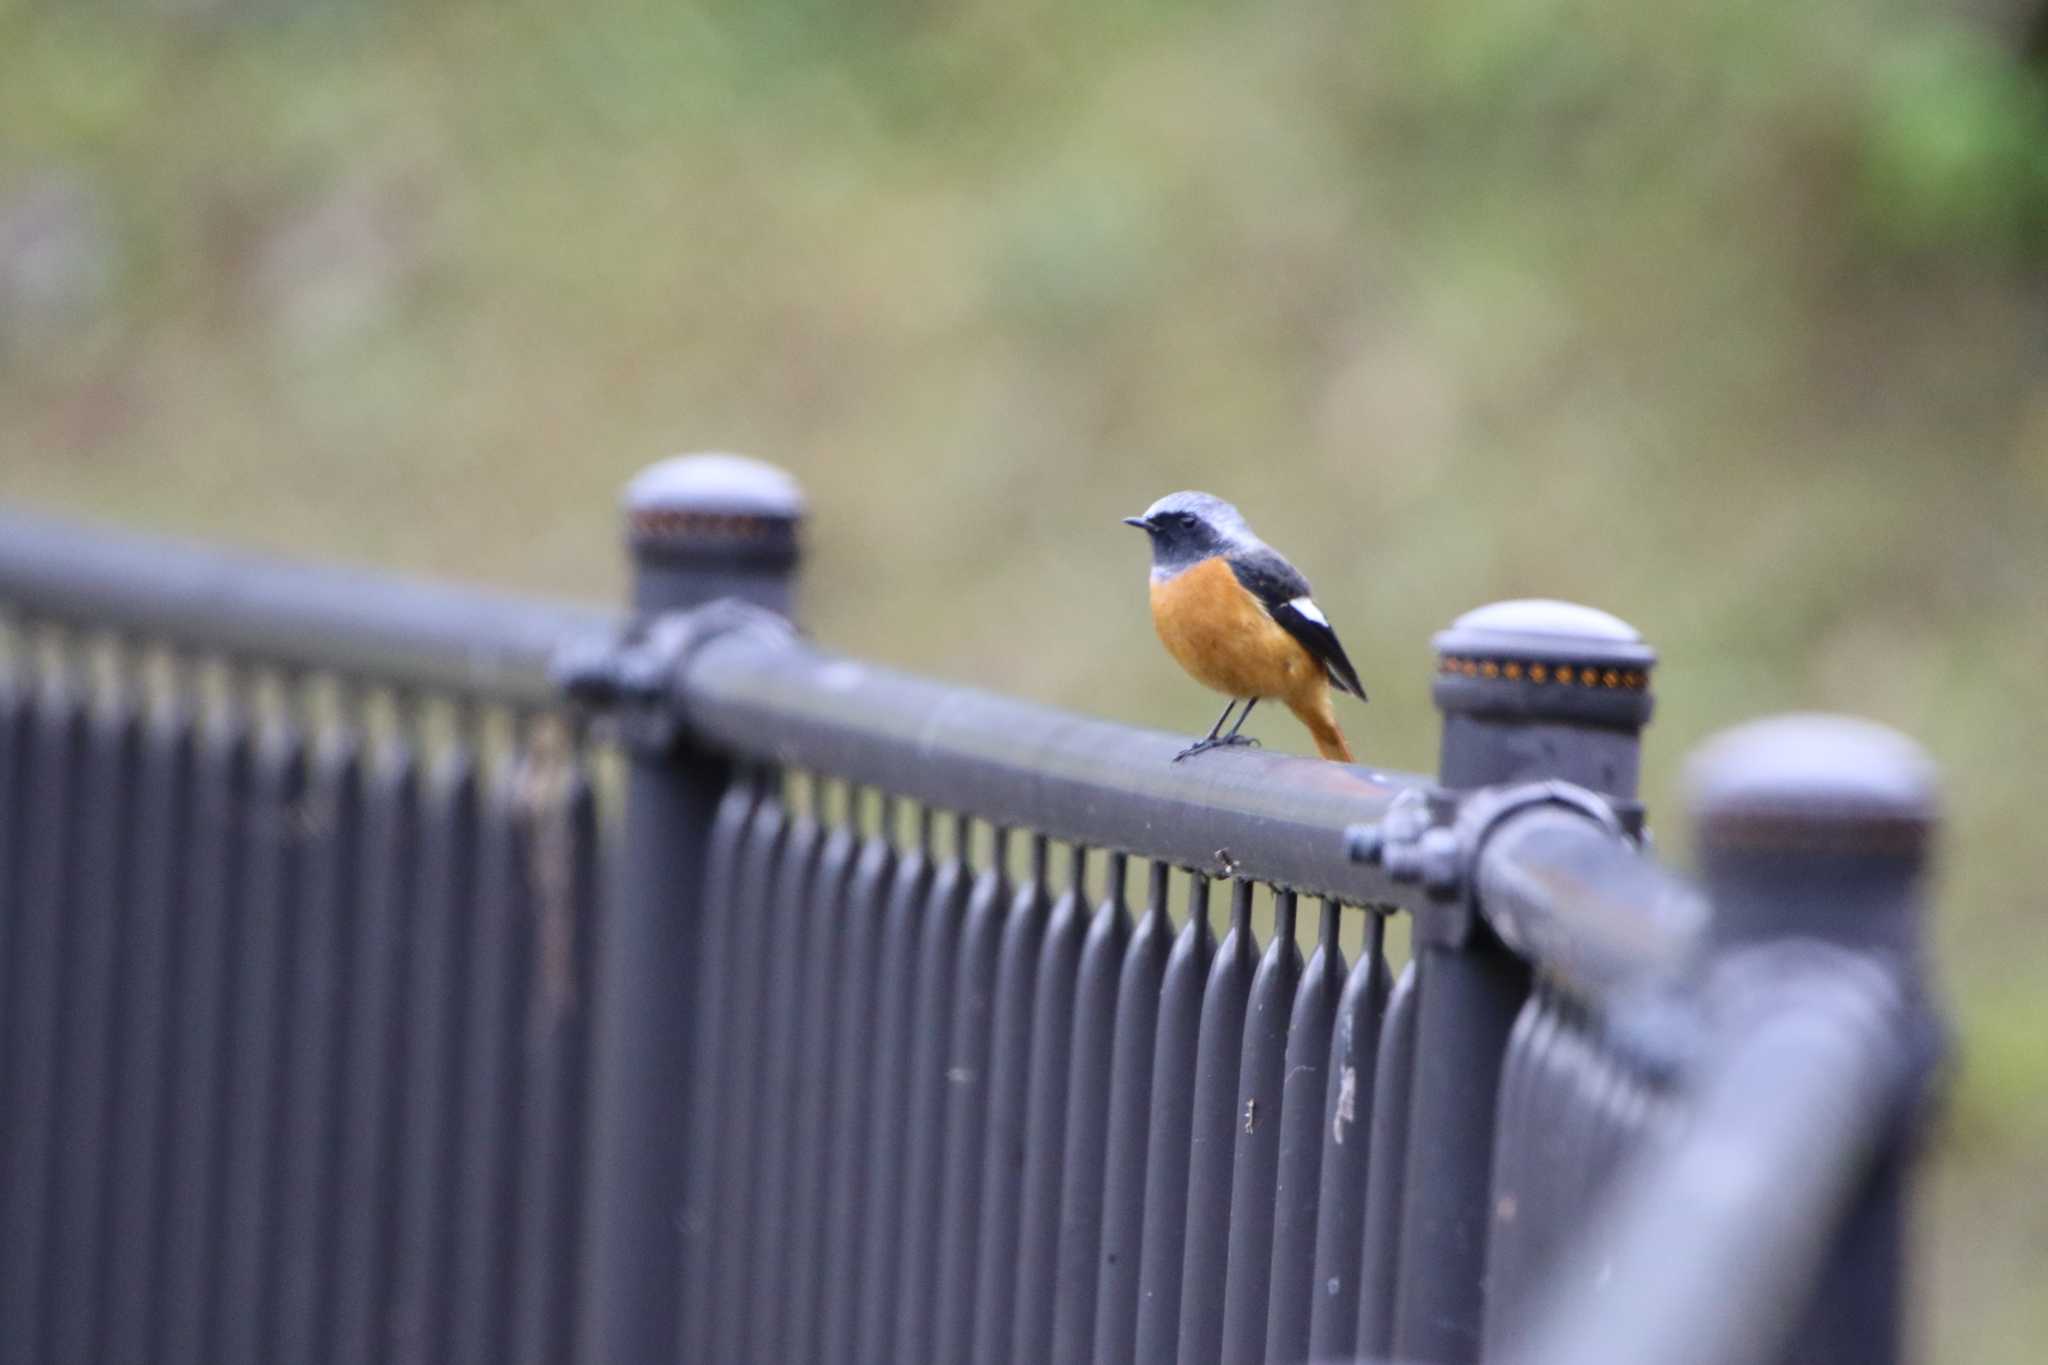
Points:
[[1570, 675], [737, 526]]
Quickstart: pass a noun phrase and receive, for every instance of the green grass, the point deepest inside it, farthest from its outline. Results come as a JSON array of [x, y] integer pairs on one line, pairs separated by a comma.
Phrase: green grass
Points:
[[1725, 318]]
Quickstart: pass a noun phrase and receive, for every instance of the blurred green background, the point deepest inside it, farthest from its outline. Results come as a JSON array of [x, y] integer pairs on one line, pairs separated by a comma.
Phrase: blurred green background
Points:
[[1727, 317]]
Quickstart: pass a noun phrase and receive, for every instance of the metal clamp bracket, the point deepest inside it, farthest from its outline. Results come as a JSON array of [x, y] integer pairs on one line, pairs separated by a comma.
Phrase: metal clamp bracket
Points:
[[632, 679], [1434, 840]]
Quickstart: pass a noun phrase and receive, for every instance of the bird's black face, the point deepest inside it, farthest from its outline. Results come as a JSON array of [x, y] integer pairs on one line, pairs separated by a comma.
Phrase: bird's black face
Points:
[[1180, 536]]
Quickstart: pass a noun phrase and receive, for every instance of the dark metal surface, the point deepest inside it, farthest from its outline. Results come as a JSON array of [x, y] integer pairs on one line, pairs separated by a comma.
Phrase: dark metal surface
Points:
[[1021, 1326], [1212, 1127], [1261, 1082], [1168, 1149], [1379, 1266], [1132, 1067], [1585, 905], [138, 1184], [1297, 1192], [693, 527], [1465, 1005], [404, 632], [198, 1041], [748, 805], [98, 937], [987, 1074], [869, 1296], [914, 1309], [840, 1204], [305, 1056], [1744, 1208], [436, 1008], [1346, 1134], [1078, 1243], [1236, 812]]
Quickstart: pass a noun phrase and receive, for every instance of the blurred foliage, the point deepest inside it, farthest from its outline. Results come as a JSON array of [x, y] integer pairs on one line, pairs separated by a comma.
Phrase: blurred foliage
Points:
[[1725, 316]]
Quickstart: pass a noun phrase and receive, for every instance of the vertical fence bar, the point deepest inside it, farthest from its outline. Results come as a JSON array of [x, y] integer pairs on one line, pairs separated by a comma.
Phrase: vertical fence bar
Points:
[[1022, 1323], [1212, 1143], [832, 971], [1466, 1002], [376, 1048], [331, 822], [1379, 1259], [197, 1062], [491, 1095], [139, 1190], [853, 1300], [436, 1009], [1298, 1186], [88, 1013], [1162, 1250], [739, 1091], [730, 858], [700, 528], [50, 864], [1822, 826], [916, 1309], [846, 1193], [805, 928], [1347, 1151], [1261, 1083], [1077, 1247], [17, 715], [1136, 1040], [1528, 691], [1513, 1197], [978, 1083], [264, 936], [755, 1290], [561, 833]]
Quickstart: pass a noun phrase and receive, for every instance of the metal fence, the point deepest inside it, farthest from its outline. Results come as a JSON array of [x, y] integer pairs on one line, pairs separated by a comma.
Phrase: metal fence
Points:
[[912, 1023]]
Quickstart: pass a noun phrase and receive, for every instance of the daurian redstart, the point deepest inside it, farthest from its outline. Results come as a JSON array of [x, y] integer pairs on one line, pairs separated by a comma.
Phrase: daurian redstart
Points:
[[1239, 618]]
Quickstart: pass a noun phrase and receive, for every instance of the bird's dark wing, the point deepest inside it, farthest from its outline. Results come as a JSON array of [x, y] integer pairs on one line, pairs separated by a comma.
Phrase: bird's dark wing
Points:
[[1284, 593]]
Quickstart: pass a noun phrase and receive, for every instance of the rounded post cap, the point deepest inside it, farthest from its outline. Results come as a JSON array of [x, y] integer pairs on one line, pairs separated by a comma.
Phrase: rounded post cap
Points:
[[714, 502], [1541, 659], [1813, 781]]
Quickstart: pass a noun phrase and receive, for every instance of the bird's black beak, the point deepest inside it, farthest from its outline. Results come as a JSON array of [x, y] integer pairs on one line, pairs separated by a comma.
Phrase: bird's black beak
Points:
[[1139, 522]]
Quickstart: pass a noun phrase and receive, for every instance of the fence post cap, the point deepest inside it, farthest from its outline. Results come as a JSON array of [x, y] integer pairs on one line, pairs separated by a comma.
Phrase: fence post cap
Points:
[[1546, 617], [713, 501], [1813, 780], [715, 481], [1544, 659]]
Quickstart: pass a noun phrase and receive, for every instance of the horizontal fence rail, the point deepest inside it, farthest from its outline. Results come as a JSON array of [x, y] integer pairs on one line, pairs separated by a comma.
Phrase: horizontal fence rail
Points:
[[761, 692], [398, 632], [1745, 1205], [399, 973]]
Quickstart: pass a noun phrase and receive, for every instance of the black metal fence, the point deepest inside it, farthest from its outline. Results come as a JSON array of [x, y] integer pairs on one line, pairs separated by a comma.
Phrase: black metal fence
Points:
[[911, 1023]]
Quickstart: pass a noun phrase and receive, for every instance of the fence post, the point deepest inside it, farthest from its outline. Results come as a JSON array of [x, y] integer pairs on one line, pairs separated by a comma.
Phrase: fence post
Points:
[[699, 528], [1819, 827], [1529, 691]]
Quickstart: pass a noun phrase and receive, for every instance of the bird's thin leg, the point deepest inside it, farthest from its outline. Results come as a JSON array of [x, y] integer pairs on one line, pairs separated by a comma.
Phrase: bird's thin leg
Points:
[[1210, 740], [1233, 737]]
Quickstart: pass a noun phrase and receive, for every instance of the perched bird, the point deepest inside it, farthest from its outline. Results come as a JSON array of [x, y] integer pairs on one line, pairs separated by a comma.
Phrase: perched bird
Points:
[[1239, 618]]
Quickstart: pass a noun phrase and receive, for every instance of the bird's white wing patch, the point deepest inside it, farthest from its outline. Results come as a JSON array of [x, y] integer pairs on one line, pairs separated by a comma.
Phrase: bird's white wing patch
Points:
[[1307, 607]]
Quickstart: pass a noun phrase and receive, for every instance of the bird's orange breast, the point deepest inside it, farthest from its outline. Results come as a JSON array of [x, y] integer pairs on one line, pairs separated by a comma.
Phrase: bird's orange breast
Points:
[[1220, 634]]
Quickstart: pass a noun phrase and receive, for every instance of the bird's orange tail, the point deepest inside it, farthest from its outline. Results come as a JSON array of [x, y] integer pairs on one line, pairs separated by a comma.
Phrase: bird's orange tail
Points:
[[1320, 717]]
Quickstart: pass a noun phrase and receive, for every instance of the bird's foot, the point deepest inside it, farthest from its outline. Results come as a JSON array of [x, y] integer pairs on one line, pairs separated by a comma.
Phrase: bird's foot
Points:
[[1221, 742]]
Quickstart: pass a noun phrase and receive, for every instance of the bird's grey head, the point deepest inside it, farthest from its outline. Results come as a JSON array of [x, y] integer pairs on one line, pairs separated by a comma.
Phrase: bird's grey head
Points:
[[1187, 528]]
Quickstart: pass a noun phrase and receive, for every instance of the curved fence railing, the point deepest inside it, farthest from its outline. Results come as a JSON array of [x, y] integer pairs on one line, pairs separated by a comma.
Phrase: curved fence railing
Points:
[[359, 1008]]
